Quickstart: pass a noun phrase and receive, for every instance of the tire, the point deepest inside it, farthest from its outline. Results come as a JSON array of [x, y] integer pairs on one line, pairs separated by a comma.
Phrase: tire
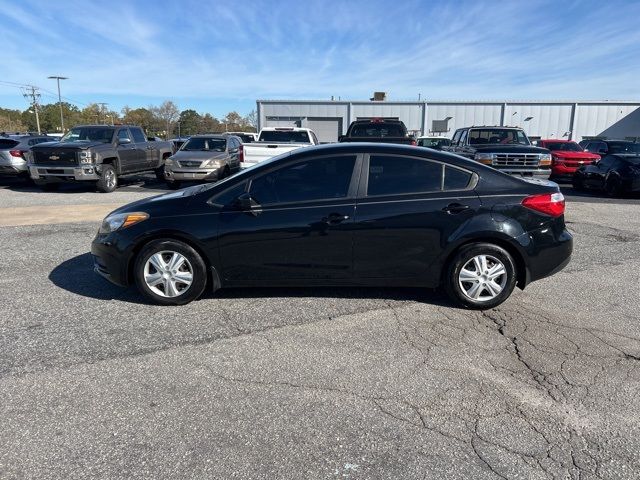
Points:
[[108, 181], [173, 185], [612, 187], [171, 290], [225, 173], [577, 184], [160, 173], [462, 292]]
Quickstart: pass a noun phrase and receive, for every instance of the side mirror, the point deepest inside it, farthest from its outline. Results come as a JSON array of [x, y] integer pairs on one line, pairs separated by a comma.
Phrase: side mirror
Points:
[[247, 204], [124, 141]]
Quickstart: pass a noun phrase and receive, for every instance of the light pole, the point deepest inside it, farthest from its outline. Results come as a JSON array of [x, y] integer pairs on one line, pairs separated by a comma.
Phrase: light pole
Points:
[[58, 78]]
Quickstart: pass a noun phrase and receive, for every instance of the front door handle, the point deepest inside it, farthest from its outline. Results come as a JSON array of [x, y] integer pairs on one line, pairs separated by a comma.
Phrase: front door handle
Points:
[[335, 218], [454, 208]]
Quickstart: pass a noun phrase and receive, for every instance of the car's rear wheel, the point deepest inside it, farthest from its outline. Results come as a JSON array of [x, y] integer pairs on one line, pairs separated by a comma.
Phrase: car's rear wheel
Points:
[[481, 276], [577, 183], [170, 272]]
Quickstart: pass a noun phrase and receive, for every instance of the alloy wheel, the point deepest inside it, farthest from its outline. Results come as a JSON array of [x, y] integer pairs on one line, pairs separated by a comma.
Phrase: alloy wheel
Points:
[[168, 274], [482, 278], [110, 178]]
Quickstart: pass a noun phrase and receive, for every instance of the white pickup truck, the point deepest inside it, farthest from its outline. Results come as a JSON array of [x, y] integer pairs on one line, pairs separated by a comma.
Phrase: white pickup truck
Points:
[[274, 141]]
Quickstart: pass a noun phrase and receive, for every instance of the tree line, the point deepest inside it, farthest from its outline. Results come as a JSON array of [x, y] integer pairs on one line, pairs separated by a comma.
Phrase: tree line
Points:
[[165, 120]]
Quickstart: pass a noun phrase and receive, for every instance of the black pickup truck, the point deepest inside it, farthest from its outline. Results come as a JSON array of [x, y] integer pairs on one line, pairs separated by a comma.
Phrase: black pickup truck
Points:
[[99, 154], [382, 130], [504, 148]]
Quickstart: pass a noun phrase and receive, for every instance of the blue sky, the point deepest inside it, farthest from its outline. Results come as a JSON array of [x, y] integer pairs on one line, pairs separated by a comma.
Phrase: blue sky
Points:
[[219, 56]]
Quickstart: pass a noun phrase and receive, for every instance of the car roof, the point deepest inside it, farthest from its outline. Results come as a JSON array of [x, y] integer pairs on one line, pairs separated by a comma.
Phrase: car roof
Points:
[[555, 140]]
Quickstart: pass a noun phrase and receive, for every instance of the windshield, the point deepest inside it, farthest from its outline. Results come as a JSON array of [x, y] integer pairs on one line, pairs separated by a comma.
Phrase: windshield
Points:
[[201, 144], [91, 134], [284, 136], [563, 146], [433, 142], [497, 136], [377, 130], [624, 147]]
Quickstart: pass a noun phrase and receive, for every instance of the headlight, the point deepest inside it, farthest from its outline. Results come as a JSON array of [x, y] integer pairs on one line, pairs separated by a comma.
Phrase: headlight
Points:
[[85, 157], [119, 221], [168, 161], [545, 159], [212, 163], [485, 158]]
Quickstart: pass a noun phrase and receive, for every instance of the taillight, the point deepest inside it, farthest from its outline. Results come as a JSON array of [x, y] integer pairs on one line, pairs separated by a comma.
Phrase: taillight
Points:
[[547, 203], [241, 153], [414, 143], [16, 153]]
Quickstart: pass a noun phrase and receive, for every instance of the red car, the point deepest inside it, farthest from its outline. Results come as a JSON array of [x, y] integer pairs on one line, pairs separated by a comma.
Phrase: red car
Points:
[[566, 157]]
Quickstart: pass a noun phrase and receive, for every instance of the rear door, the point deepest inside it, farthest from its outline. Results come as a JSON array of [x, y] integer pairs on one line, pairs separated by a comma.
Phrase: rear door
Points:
[[300, 227], [408, 208], [148, 155]]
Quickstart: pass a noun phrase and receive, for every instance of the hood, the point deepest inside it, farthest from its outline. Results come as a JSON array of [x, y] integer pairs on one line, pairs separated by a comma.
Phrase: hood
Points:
[[206, 155], [509, 149], [567, 154], [159, 202], [82, 145]]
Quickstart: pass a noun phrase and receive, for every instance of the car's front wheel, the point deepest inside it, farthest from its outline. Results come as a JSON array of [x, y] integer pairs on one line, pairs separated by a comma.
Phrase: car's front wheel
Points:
[[108, 181], [170, 272], [480, 276]]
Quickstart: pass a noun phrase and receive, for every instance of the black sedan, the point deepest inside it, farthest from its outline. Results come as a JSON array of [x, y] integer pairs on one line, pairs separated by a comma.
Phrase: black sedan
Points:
[[617, 174], [349, 214]]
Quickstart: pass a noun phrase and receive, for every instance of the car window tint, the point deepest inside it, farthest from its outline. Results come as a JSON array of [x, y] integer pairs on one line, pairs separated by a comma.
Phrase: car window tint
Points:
[[227, 197], [456, 179], [123, 134], [391, 175], [138, 136], [316, 179]]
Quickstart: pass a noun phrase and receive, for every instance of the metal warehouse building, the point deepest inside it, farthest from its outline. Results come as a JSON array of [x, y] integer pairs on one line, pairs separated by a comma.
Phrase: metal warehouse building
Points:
[[540, 119]]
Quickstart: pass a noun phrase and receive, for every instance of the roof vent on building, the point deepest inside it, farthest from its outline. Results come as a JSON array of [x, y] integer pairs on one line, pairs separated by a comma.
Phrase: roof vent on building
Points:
[[379, 97]]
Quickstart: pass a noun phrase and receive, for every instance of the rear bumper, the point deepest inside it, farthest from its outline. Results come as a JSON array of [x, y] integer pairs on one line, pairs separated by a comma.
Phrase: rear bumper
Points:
[[549, 251], [53, 173]]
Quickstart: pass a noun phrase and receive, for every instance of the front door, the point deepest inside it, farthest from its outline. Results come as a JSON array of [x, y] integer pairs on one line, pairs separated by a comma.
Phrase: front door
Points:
[[127, 152], [299, 227], [407, 211]]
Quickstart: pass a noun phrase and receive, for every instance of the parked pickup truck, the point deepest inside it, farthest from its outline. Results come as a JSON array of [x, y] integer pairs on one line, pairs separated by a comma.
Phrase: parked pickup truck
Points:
[[273, 141], [99, 154], [504, 148], [382, 130]]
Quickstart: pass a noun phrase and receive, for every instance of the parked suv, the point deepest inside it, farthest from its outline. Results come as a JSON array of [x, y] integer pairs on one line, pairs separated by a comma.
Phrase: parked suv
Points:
[[609, 147], [379, 130], [203, 157], [99, 154], [504, 148], [12, 153]]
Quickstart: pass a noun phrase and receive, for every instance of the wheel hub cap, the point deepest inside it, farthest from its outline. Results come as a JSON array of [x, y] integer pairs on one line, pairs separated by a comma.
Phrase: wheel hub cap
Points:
[[482, 278], [168, 273]]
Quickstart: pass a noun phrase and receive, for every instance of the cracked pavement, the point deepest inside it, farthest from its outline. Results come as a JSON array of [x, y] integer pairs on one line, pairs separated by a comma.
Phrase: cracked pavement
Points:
[[319, 383]]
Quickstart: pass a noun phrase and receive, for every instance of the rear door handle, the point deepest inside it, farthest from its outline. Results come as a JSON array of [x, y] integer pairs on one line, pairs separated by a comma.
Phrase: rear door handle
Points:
[[454, 208], [335, 218]]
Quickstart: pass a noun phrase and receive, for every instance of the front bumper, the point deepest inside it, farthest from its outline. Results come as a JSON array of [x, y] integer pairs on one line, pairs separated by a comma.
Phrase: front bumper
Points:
[[192, 174], [54, 173], [108, 261], [535, 173]]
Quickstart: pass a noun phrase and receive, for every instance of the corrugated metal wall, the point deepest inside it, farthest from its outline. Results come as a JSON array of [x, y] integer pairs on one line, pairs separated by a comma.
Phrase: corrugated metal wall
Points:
[[539, 119]]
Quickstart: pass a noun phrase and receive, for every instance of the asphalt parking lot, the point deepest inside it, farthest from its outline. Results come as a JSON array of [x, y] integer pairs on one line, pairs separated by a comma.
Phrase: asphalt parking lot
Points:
[[312, 383]]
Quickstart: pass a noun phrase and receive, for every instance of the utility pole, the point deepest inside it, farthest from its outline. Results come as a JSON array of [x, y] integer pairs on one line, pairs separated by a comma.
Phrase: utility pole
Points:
[[58, 78], [102, 105], [32, 93]]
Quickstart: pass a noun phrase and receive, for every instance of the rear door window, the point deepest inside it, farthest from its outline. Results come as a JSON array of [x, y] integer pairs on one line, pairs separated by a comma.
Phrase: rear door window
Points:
[[138, 136], [6, 144], [394, 175]]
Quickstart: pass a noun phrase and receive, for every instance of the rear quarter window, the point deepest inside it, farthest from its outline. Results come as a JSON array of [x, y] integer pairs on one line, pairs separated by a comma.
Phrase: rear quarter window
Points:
[[456, 179]]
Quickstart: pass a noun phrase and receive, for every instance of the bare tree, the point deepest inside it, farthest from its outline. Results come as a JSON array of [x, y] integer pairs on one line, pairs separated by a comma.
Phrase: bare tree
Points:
[[168, 113], [252, 119]]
